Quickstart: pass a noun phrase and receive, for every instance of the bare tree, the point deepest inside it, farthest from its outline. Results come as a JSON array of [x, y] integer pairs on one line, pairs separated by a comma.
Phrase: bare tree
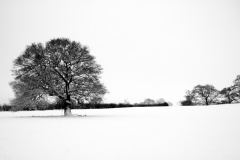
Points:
[[205, 95], [61, 68]]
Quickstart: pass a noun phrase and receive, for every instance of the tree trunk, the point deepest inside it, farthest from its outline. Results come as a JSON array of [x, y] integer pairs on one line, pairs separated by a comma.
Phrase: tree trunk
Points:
[[67, 109], [206, 101]]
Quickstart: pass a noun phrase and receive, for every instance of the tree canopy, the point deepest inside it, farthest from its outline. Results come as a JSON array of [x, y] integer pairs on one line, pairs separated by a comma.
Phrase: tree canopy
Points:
[[205, 94], [201, 95], [60, 68]]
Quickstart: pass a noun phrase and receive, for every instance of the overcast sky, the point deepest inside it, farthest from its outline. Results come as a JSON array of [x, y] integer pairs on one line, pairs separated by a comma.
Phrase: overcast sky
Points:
[[147, 48]]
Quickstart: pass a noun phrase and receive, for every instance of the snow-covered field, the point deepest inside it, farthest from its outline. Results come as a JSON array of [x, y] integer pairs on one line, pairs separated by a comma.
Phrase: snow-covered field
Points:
[[160, 133]]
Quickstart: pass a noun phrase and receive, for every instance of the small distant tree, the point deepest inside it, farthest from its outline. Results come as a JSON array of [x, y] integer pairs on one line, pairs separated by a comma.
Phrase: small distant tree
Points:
[[189, 98], [148, 101], [160, 101], [61, 68], [205, 95], [126, 102]]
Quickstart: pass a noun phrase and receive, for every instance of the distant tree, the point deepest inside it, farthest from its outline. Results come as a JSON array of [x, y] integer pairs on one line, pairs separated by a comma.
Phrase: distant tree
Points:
[[136, 104], [61, 68], [169, 103], [236, 89], [148, 101], [205, 95], [229, 95], [189, 98], [160, 100], [126, 102]]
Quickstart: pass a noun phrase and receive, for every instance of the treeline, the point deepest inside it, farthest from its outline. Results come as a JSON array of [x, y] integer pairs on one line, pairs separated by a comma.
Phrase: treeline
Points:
[[120, 105], [209, 95], [53, 106], [146, 103]]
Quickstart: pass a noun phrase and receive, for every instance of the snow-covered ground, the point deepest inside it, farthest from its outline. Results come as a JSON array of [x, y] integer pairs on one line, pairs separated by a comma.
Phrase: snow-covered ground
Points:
[[160, 133]]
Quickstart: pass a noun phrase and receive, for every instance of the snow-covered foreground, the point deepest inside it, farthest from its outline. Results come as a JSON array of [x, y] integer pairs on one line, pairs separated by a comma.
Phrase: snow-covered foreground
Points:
[[160, 133]]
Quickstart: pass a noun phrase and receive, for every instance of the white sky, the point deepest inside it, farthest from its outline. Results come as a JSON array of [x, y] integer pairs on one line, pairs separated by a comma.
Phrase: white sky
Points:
[[147, 48]]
